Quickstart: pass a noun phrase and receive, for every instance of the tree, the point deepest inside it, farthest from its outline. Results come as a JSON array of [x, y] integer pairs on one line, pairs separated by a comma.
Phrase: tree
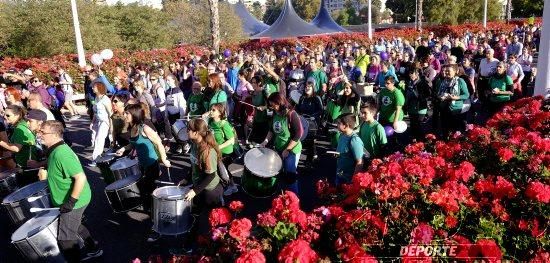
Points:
[[419, 14], [257, 10], [375, 12], [307, 9], [342, 17], [214, 25], [527, 8], [272, 12], [403, 10], [445, 12]]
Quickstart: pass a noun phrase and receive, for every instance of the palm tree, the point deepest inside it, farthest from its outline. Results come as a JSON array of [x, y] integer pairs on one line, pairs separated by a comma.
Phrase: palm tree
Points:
[[215, 25]]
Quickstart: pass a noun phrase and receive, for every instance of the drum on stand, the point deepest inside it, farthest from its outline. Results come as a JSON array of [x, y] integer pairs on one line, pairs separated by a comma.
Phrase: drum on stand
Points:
[[124, 195], [8, 183], [180, 130], [104, 163], [262, 165], [21, 201], [125, 167], [171, 213], [37, 238]]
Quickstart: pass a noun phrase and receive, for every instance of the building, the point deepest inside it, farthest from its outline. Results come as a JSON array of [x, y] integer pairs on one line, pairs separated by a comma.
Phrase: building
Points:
[[337, 5]]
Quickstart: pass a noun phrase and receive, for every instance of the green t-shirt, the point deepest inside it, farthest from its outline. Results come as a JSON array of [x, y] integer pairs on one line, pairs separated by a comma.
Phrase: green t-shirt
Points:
[[373, 137], [271, 86], [334, 110], [23, 136], [281, 131], [259, 99], [500, 83], [196, 106], [198, 173], [219, 97], [320, 78], [223, 131], [63, 164], [348, 156], [389, 100]]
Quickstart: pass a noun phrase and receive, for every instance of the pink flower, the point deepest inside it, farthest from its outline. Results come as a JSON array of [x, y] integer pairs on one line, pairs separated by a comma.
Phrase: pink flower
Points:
[[505, 154], [236, 206], [422, 234], [251, 256], [240, 229], [297, 251]]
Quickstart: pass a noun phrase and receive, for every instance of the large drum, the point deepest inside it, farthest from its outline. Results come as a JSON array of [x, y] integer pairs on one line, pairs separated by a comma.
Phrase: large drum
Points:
[[171, 213], [125, 167], [262, 165], [180, 130], [8, 183], [21, 201], [312, 128], [37, 238], [104, 163], [124, 195]]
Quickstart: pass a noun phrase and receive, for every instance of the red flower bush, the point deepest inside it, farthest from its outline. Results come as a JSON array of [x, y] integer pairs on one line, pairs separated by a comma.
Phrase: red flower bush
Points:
[[240, 228], [219, 216], [538, 191], [236, 206], [297, 251], [251, 256]]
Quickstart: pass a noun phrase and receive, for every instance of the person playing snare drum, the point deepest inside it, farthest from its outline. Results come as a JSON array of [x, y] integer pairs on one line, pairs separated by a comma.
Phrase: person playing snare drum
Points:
[[286, 130], [69, 191]]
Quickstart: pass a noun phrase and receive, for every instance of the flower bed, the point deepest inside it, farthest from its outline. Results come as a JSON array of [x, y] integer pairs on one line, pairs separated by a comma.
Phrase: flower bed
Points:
[[43, 66], [482, 194]]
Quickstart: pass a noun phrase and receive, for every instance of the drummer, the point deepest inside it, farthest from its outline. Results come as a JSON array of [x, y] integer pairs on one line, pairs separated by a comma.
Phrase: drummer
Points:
[[21, 142], [120, 136], [225, 137], [35, 118], [149, 150], [69, 191], [206, 191], [259, 126], [286, 130]]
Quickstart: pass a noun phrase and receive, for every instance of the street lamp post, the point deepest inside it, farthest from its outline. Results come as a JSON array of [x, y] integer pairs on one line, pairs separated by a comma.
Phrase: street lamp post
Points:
[[485, 14], [542, 84], [78, 36]]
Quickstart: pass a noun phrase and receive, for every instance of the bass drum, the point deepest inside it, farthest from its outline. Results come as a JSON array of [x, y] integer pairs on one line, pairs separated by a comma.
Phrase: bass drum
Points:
[[8, 183], [262, 165], [171, 213], [180, 130], [124, 195], [104, 163], [125, 167], [21, 201]]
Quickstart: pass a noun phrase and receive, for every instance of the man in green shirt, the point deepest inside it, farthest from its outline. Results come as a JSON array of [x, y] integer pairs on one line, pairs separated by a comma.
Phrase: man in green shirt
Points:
[[391, 103], [320, 77], [69, 190], [371, 132]]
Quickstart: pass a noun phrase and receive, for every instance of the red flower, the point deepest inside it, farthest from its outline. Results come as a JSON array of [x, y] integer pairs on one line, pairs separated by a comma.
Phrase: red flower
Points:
[[219, 216], [297, 251], [486, 249], [236, 206], [541, 256], [422, 234], [451, 221], [505, 154], [251, 256], [355, 254], [267, 219], [240, 229], [538, 191], [286, 201]]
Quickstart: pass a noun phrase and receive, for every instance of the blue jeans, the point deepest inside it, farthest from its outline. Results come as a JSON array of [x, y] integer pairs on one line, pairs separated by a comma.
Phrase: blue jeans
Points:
[[290, 169]]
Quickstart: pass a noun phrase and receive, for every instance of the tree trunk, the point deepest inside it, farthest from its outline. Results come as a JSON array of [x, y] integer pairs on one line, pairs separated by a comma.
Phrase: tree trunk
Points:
[[419, 15], [508, 10], [215, 25]]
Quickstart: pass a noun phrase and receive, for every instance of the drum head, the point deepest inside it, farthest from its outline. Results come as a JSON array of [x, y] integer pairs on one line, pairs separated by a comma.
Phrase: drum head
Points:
[[105, 158], [171, 192], [124, 163], [35, 225], [25, 192], [126, 181], [263, 162]]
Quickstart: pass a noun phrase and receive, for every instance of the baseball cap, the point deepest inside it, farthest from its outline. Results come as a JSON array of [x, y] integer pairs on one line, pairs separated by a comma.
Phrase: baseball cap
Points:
[[37, 115]]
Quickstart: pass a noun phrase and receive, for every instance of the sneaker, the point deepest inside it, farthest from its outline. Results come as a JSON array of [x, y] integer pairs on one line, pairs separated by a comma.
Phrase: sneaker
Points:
[[231, 190], [92, 164], [153, 237], [93, 254]]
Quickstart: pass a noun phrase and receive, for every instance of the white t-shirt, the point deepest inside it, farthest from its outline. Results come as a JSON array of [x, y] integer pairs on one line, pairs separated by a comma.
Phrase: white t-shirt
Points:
[[49, 114]]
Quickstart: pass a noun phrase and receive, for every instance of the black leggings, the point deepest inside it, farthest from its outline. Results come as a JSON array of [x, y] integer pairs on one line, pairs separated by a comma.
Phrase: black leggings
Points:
[[203, 203], [147, 183]]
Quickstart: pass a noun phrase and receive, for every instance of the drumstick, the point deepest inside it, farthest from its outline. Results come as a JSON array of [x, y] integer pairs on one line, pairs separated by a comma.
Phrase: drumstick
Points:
[[33, 198], [164, 182], [168, 171], [333, 152], [36, 209], [245, 103]]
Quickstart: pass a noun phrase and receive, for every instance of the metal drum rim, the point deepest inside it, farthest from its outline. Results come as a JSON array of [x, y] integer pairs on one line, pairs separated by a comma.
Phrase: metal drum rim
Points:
[[4, 202], [271, 174], [155, 196], [133, 162], [53, 213]]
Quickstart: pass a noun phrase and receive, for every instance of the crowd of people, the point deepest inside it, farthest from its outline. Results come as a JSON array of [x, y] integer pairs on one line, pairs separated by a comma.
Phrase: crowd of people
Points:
[[278, 98]]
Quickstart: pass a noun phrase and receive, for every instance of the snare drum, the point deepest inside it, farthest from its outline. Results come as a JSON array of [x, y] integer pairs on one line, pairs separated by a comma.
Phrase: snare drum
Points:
[[124, 195], [125, 167], [171, 213], [18, 205], [8, 183], [37, 238], [180, 130], [262, 165], [104, 163]]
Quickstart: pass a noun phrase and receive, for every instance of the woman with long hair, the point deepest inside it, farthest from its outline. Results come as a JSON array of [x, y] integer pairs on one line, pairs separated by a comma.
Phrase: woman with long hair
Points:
[[257, 129], [214, 92], [101, 122], [311, 106], [286, 130], [22, 142], [206, 191], [501, 88], [452, 93], [13, 96]]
